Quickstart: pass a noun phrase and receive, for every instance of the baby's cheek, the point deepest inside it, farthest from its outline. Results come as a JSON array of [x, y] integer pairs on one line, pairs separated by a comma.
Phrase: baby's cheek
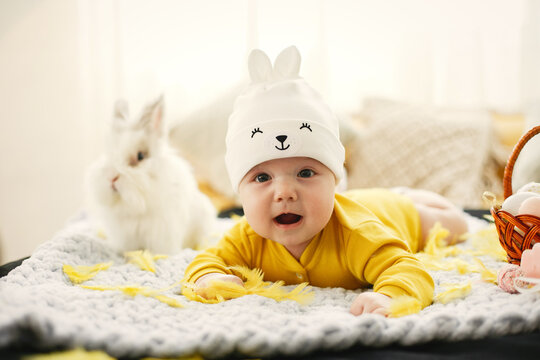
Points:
[[327, 207]]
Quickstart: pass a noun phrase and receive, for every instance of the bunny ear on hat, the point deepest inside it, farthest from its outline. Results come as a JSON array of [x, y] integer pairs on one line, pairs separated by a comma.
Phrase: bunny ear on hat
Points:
[[259, 65], [287, 64]]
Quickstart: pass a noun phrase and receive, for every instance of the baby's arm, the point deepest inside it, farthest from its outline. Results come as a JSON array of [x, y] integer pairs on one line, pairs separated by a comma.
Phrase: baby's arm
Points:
[[371, 303], [204, 281], [214, 263], [386, 262]]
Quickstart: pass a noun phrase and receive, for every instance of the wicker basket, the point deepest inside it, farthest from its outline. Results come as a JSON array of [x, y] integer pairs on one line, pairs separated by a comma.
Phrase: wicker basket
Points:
[[513, 241]]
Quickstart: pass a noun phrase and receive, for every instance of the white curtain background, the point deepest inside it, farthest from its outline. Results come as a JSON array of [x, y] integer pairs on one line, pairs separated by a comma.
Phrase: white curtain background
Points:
[[63, 63]]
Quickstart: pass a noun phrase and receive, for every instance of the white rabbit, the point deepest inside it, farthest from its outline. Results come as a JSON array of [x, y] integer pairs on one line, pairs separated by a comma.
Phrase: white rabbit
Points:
[[143, 195]]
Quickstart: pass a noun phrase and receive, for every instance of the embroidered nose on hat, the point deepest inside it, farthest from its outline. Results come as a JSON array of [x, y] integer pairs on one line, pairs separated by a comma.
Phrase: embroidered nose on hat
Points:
[[279, 116], [281, 139]]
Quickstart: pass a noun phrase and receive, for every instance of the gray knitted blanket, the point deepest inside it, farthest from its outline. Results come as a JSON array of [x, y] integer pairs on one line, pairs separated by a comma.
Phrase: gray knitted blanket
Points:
[[40, 306]]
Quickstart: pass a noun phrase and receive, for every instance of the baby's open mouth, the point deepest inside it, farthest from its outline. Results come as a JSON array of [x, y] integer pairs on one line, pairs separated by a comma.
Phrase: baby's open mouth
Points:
[[287, 219]]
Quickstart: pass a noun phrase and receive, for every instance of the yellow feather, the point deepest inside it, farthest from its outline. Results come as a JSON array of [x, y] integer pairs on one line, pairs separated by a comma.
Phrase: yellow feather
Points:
[[218, 291], [133, 290], [168, 300], [82, 273], [454, 292], [487, 274], [143, 259], [100, 233], [486, 242], [255, 284], [75, 354], [435, 239], [462, 266], [225, 289], [253, 277], [404, 305], [436, 246]]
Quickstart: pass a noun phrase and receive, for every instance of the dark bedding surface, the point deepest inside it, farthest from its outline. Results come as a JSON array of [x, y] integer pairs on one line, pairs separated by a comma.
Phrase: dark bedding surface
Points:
[[524, 346]]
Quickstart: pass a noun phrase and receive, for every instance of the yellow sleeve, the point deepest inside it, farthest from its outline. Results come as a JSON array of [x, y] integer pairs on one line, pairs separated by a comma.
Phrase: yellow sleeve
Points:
[[233, 249], [386, 262]]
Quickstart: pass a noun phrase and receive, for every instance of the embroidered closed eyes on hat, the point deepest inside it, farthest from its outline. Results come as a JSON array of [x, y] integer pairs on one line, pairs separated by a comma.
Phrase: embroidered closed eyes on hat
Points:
[[280, 116]]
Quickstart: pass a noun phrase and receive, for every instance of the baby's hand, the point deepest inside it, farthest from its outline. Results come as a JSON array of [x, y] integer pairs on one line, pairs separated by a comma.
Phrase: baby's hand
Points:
[[371, 302], [204, 281]]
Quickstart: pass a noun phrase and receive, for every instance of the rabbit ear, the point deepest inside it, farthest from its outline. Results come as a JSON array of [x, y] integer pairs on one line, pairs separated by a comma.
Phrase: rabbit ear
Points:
[[287, 63], [259, 65], [152, 118], [121, 110]]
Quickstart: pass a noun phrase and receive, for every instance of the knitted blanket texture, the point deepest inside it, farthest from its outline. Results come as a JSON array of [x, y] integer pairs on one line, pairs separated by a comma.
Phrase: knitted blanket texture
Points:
[[40, 306]]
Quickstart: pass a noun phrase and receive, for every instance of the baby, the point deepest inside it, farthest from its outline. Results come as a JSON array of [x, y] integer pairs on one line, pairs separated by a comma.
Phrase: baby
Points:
[[284, 158]]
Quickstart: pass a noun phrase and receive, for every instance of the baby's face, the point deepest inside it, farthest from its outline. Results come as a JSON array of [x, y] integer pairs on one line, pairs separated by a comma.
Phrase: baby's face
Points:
[[288, 200]]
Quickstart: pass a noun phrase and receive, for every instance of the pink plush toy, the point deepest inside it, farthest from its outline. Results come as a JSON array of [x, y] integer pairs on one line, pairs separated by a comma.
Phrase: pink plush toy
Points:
[[507, 278], [509, 275]]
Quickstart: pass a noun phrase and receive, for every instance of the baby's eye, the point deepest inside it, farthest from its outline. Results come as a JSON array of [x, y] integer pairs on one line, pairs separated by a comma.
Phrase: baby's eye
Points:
[[306, 173], [262, 178]]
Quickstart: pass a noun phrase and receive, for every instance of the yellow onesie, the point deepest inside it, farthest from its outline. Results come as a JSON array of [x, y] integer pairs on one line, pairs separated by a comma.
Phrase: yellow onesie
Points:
[[369, 240]]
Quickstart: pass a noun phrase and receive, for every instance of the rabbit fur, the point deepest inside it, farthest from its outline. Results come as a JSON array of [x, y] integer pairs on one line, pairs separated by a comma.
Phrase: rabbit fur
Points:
[[143, 195]]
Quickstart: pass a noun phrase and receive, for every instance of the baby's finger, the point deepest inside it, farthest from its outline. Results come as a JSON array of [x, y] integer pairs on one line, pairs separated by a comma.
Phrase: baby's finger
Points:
[[234, 279], [201, 291], [380, 311], [357, 308]]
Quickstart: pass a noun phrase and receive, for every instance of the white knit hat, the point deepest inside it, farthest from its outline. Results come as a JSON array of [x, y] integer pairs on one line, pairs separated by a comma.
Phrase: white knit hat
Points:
[[280, 116]]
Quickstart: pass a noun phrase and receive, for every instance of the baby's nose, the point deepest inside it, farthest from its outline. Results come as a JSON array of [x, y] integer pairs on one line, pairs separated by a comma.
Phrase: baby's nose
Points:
[[285, 191]]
